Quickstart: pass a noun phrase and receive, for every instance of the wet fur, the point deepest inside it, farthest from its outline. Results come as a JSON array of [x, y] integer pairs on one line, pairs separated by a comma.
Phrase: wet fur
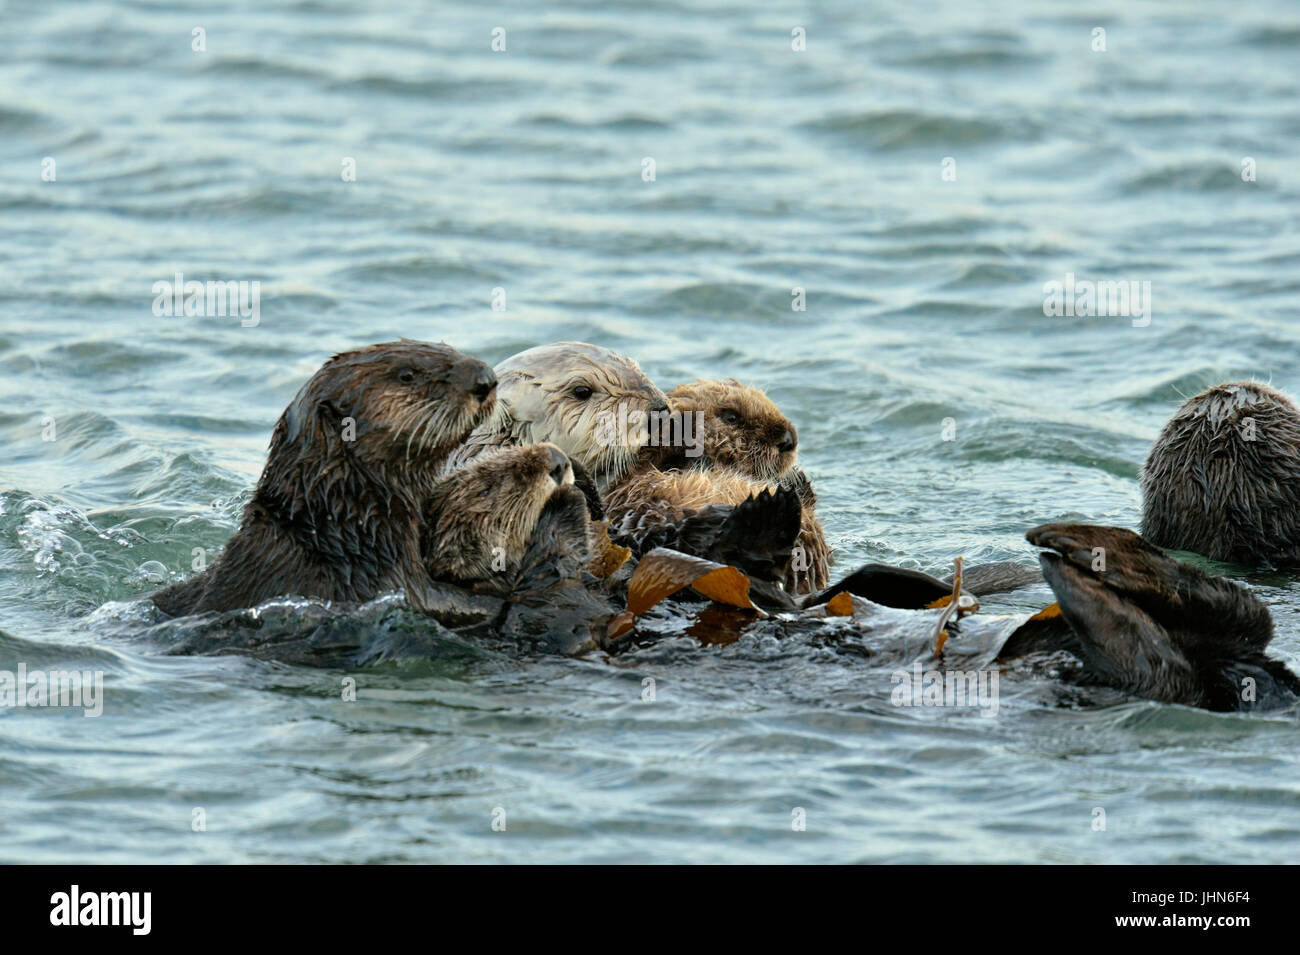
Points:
[[339, 519], [480, 519], [740, 458], [1155, 627], [1206, 488], [536, 403], [752, 444]]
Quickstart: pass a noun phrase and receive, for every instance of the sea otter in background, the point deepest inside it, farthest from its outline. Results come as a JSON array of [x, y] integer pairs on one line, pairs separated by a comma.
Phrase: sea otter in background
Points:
[[336, 513], [729, 442], [1223, 478], [594, 404]]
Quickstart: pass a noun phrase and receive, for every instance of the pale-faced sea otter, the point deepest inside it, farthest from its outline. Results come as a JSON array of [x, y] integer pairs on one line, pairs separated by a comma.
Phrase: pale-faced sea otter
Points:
[[1223, 478], [728, 442], [336, 513], [593, 403]]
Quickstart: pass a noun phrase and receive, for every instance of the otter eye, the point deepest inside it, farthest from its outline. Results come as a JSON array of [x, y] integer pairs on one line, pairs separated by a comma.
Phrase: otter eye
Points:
[[730, 418], [406, 376], [582, 392]]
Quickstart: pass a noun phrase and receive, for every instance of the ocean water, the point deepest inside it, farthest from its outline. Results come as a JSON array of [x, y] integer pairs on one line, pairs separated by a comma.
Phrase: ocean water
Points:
[[127, 156]]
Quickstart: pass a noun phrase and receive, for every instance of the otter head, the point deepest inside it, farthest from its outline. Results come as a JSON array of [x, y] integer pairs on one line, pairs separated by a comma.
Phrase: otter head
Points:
[[727, 424], [594, 404], [480, 518], [1223, 478], [392, 412]]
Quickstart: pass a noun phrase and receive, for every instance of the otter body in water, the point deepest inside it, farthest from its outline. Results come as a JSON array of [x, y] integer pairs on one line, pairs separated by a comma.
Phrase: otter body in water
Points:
[[336, 513], [593, 403], [1155, 627], [741, 446], [1223, 478], [505, 544]]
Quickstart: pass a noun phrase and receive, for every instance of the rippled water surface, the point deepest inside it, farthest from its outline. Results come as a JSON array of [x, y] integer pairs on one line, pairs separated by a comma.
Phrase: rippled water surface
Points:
[[523, 170]]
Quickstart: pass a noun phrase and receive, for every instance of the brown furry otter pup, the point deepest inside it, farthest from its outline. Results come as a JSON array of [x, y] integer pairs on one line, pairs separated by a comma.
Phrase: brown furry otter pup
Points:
[[480, 518], [594, 404], [1223, 478], [737, 426], [512, 524], [336, 513], [745, 446]]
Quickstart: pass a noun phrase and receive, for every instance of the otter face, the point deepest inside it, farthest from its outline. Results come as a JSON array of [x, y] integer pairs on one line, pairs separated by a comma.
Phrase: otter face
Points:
[[481, 517], [594, 404], [736, 426], [1223, 478], [394, 404]]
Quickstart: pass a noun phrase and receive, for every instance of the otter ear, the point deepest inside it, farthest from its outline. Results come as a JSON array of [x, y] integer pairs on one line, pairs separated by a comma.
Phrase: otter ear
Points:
[[303, 421], [329, 415]]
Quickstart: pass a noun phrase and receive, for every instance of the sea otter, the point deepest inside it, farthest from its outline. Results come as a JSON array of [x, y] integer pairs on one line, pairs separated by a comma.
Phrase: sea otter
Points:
[[505, 542], [733, 425], [593, 403], [1223, 478], [480, 518], [1142, 622], [336, 513], [728, 442]]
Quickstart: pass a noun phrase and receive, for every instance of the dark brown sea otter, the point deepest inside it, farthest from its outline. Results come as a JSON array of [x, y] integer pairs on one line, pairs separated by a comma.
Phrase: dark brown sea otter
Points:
[[729, 442], [1147, 624], [337, 511], [1223, 478]]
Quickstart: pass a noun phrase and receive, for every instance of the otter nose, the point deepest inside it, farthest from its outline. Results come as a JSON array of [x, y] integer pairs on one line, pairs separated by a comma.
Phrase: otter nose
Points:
[[787, 442], [658, 404], [559, 464], [485, 384], [475, 377]]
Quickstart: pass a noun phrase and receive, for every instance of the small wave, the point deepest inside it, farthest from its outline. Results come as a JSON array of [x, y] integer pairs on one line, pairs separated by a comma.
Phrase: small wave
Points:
[[623, 122], [724, 299], [15, 119], [908, 129], [420, 268], [260, 67], [1272, 36], [1192, 178]]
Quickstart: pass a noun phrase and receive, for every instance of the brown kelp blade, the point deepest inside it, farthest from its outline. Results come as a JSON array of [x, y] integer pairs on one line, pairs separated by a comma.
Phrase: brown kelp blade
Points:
[[607, 556], [663, 572], [1047, 613], [841, 605]]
